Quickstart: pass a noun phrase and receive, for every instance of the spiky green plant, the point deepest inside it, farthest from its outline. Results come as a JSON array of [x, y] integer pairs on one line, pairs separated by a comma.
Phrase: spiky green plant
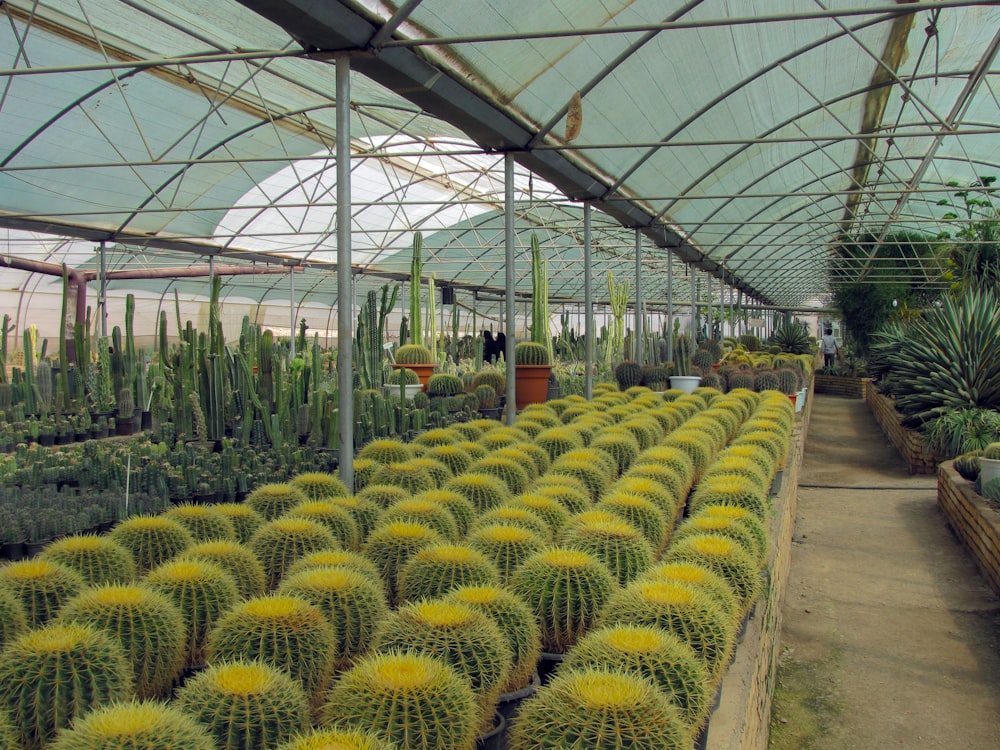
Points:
[[546, 507], [390, 545], [510, 515], [319, 485], [484, 491], [746, 529], [364, 470], [279, 543], [9, 739], [41, 586], [641, 513], [386, 451], [597, 708], [340, 738], [653, 489], [506, 546], [967, 465], [353, 603], [418, 701], [420, 510], [657, 654], [730, 464], [245, 520], [382, 495], [769, 440], [437, 470], [508, 470], [616, 543], [202, 591], [620, 444], [98, 559], [353, 561], [147, 623], [13, 620], [724, 556], [281, 630], [135, 726], [565, 588], [593, 476], [246, 704], [684, 610], [701, 577], [435, 570], [405, 474], [502, 437], [465, 638], [55, 674], [152, 540], [455, 503], [565, 490], [204, 522], [237, 560], [729, 489], [452, 456], [274, 500], [333, 517]]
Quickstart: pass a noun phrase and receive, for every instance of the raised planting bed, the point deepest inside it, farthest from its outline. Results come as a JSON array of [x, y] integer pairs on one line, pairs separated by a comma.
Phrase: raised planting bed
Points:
[[975, 520], [836, 385], [909, 443]]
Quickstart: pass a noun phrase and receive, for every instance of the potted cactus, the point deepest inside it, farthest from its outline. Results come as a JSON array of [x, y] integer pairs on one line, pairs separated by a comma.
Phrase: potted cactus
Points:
[[533, 358], [415, 355], [685, 379], [989, 464]]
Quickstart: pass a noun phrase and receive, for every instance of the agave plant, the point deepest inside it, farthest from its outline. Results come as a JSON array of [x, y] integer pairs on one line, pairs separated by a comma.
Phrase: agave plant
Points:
[[948, 359], [792, 338]]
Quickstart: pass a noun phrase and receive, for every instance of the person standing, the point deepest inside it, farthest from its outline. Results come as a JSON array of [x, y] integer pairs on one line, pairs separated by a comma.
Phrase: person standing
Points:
[[830, 348]]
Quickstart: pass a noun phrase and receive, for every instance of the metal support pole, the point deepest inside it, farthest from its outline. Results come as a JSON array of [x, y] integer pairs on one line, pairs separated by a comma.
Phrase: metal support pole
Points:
[[104, 292], [694, 305], [638, 299], [670, 307], [291, 313], [739, 311], [510, 280], [709, 317], [345, 333], [588, 304]]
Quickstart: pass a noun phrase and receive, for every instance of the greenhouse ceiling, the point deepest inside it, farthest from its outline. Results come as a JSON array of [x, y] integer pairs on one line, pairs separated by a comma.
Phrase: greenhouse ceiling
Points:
[[741, 138]]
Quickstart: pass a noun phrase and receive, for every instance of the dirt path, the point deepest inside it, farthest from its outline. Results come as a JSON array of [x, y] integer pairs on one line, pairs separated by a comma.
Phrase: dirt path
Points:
[[890, 637]]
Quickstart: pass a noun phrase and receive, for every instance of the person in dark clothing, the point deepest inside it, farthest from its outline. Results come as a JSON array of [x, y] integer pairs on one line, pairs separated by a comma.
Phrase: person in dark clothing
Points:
[[489, 347], [501, 345]]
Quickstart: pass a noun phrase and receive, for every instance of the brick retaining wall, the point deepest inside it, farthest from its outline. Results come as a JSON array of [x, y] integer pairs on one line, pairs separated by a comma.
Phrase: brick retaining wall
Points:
[[975, 521], [834, 385], [909, 443]]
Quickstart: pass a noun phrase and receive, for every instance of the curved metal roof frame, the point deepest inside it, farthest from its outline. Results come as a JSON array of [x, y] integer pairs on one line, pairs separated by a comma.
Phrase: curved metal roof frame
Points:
[[242, 165]]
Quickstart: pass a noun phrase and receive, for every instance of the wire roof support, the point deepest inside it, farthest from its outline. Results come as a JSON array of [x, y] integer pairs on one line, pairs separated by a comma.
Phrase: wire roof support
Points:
[[638, 298], [588, 305], [345, 365], [510, 283]]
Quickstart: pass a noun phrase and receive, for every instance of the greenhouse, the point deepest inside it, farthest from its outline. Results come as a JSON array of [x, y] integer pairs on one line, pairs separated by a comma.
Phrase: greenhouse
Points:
[[328, 327]]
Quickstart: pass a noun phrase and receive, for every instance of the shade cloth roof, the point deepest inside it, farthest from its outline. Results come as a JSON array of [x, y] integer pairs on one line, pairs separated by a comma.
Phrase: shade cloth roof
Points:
[[743, 137]]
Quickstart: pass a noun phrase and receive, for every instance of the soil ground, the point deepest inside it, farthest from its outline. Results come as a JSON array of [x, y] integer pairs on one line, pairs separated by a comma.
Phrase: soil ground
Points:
[[891, 638]]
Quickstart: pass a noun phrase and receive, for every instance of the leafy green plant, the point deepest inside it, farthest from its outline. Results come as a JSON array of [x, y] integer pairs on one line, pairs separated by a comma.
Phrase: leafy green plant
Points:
[[960, 431]]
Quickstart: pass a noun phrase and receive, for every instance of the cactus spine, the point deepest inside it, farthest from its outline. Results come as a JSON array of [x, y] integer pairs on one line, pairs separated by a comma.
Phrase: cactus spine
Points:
[[128, 726]]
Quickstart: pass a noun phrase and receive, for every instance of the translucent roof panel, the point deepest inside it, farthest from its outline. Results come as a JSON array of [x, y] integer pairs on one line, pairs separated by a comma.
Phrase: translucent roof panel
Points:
[[741, 137]]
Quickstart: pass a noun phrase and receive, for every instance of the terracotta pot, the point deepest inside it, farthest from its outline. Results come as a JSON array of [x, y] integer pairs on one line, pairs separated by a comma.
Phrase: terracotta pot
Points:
[[531, 384], [424, 372]]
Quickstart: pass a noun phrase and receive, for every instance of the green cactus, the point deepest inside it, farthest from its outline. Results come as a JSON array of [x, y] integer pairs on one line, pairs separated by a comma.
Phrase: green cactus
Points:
[[245, 520], [617, 544], [445, 384], [740, 466], [683, 351], [386, 451], [353, 603], [657, 654], [98, 559], [202, 591], [281, 630], [463, 637], [13, 619], [204, 522], [730, 489], [246, 704], [234, 558], [992, 451], [353, 561], [456, 504], [620, 444], [418, 701], [492, 377], [406, 475], [343, 738], [484, 491], [725, 557], [700, 577], [435, 570], [279, 543], [640, 512], [41, 586], [594, 708], [752, 539], [531, 353], [424, 511], [991, 490], [274, 500], [967, 465], [509, 471], [391, 544], [152, 540], [628, 374], [438, 471], [134, 726], [382, 495], [509, 515], [404, 374], [565, 588], [507, 546], [593, 476], [486, 396], [566, 491], [147, 624], [336, 519], [414, 354], [51, 676], [549, 509]]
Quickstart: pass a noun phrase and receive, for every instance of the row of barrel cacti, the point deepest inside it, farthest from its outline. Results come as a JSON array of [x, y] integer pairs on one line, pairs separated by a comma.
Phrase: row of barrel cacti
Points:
[[303, 581]]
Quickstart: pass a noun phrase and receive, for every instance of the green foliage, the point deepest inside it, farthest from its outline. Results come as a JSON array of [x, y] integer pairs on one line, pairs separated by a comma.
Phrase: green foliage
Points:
[[792, 338], [418, 701], [434, 571], [274, 500], [974, 259], [246, 704], [51, 676], [530, 353], [947, 359], [135, 726], [98, 559], [203, 521], [960, 431], [237, 560], [41, 586], [319, 485], [598, 708], [278, 544]]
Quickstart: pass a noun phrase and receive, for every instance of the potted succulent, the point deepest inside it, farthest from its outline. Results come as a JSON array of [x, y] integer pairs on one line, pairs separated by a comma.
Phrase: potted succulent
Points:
[[989, 464], [685, 379], [533, 358], [403, 379], [415, 356]]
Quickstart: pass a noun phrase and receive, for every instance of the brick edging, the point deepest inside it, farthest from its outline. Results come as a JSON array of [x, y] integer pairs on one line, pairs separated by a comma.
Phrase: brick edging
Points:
[[835, 385], [908, 443], [974, 520]]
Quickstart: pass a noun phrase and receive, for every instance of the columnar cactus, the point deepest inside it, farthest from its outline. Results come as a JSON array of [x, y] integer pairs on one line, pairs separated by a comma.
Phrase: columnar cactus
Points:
[[41, 586], [565, 588], [147, 624], [246, 704], [418, 701], [592, 708], [353, 603], [98, 559], [237, 560], [281, 630], [152, 540], [131, 726], [279, 543], [53, 675]]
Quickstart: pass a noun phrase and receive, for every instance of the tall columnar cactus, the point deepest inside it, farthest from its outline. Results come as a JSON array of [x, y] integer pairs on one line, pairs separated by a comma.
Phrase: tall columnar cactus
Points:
[[416, 280], [30, 386], [540, 299], [51, 676], [683, 351], [416, 700], [246, 704], [618, 299], [6, 328], [147, 624], [129, 726]]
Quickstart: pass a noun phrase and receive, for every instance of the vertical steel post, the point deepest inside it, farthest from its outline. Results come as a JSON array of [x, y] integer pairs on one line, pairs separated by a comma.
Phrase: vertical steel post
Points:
[[510, 280], [670, 306], [708, 307], [345, 333], [588, 304], [638, 349], [104, 292], [694, 305], [291, 312]]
